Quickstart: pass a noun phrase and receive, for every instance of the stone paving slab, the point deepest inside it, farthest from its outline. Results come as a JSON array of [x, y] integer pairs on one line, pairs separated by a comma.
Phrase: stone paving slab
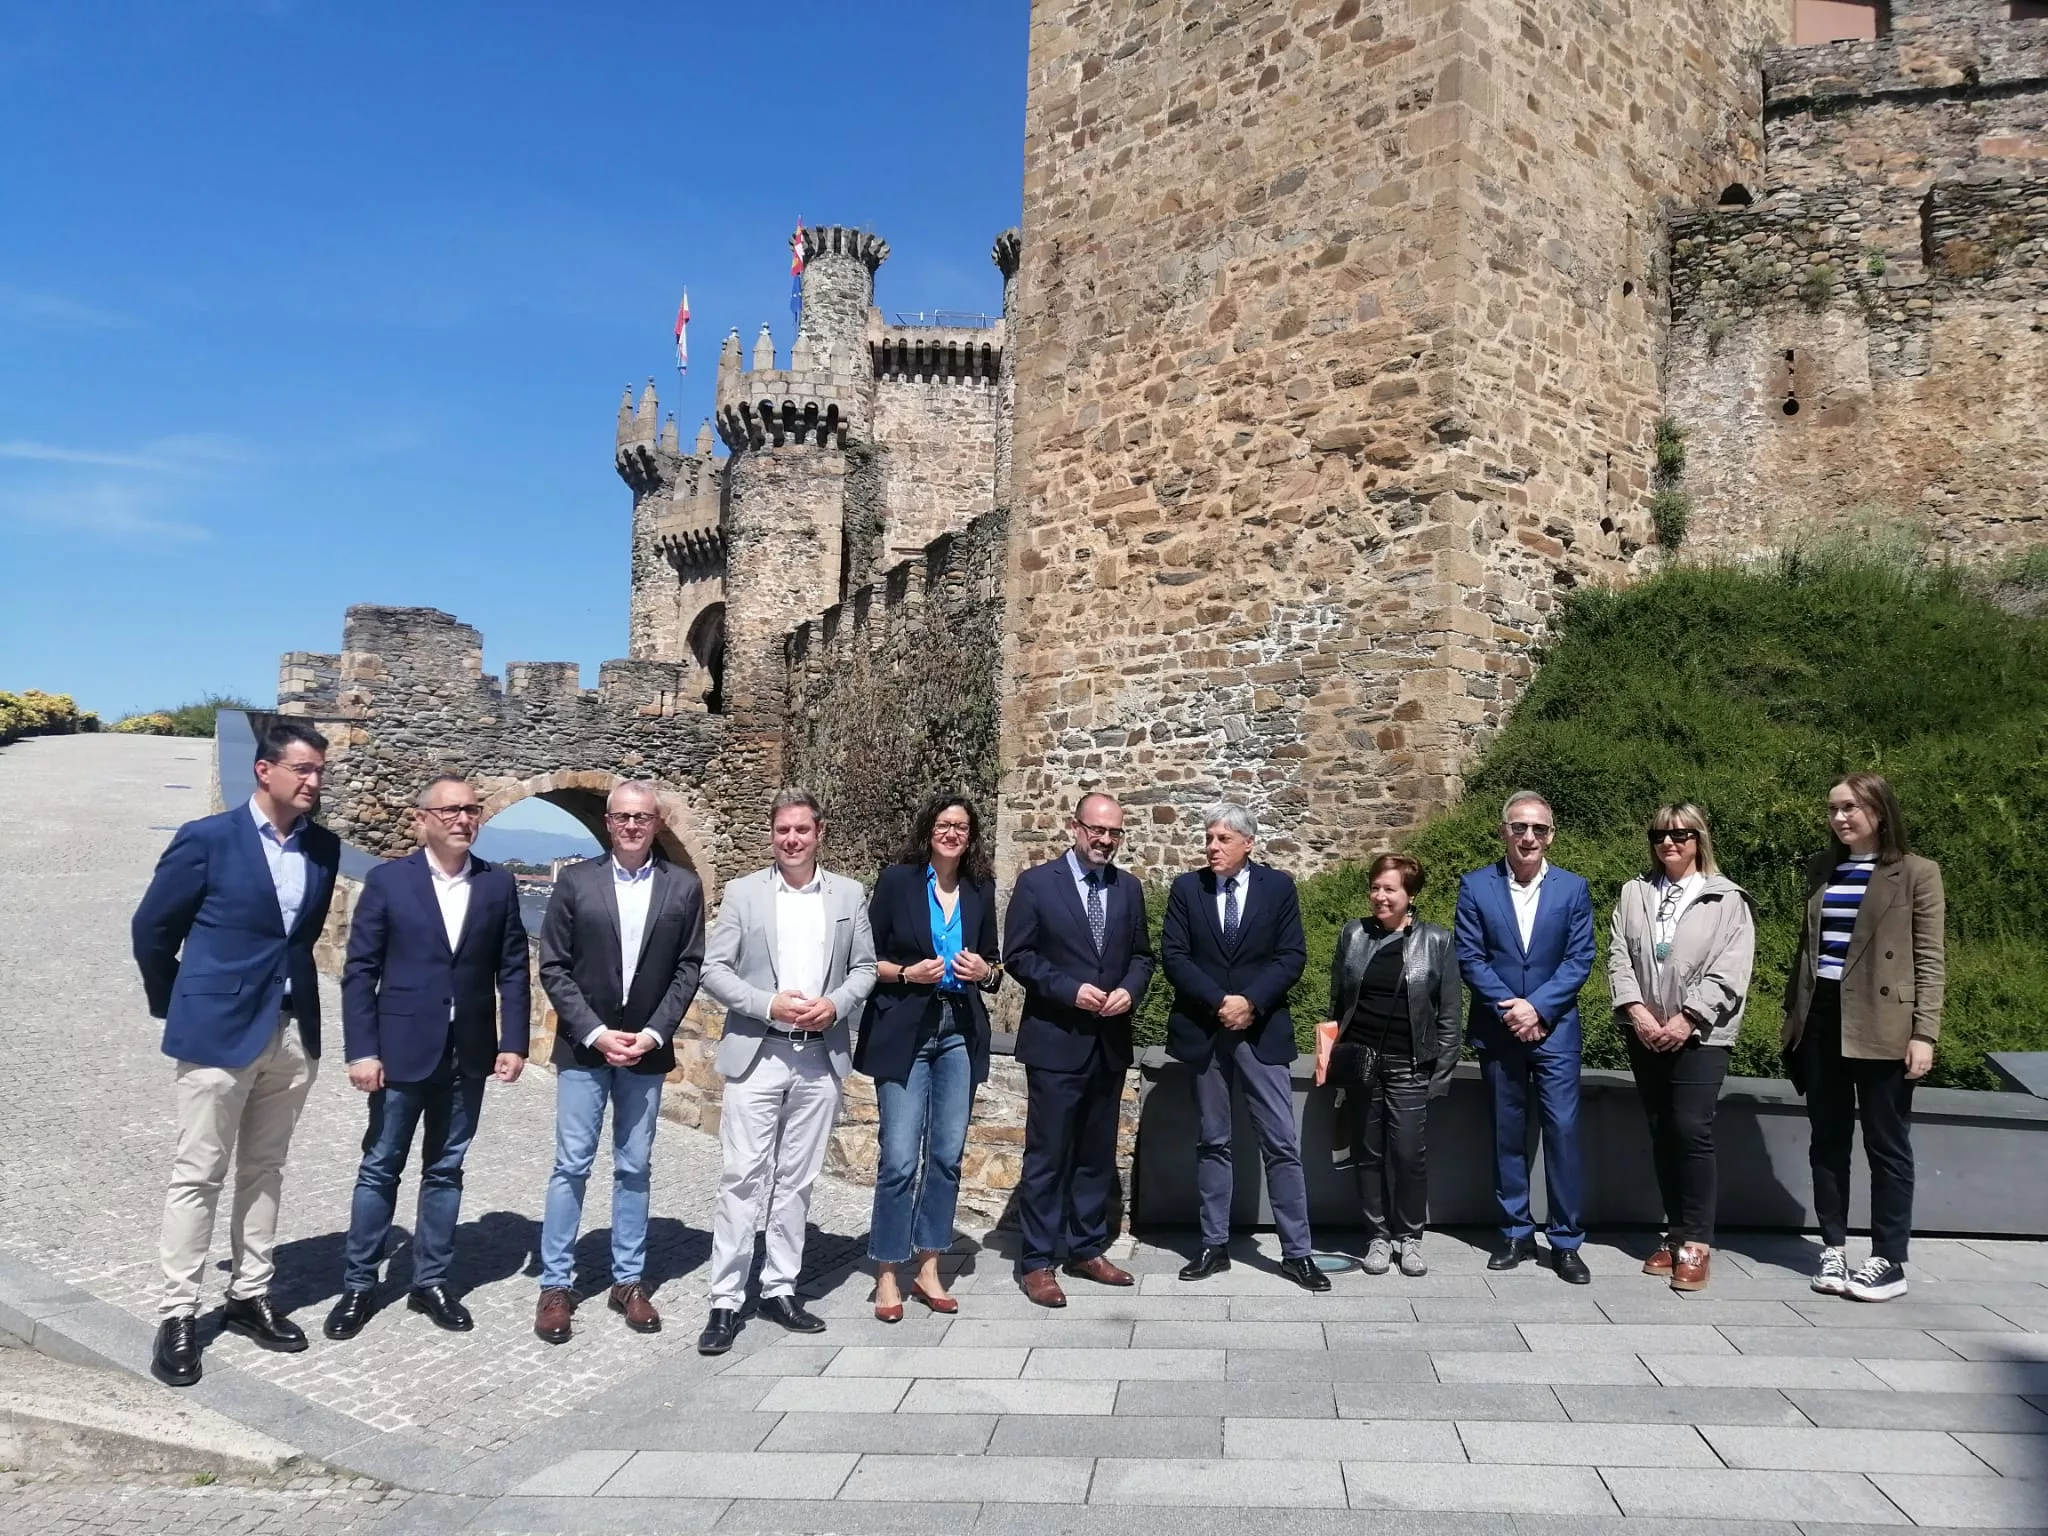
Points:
[[959, 1435], [1841, 1450], [1391, 1364], [990, 1479], [1342, 1439], [1088, 1435], [1587, 1445], [1761, 1371], [1439, 1400], [1463, 1487], [2008, 1455], [1967, 1501], [1846, 1343], [1679, 1493], [1884, 1409], [1678, 1405], [1219, 1484]]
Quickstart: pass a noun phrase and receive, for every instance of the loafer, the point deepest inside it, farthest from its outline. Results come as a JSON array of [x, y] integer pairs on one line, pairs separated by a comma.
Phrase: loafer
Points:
[[354, 1309], [1100, 1270], [1570, 1267], [1306, 1273], [551, 1317], [720, 1330], [444, 1309], [630, 1301], [175, 1361], [1042, 1288], [1515, 1251], [255, 1318], [1210, 1261], [1690, 1270], [789, 1312]]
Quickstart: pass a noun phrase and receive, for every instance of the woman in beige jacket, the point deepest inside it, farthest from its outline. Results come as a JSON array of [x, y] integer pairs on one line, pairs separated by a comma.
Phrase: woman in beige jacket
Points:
[[1862, 1015], [1684, 941]]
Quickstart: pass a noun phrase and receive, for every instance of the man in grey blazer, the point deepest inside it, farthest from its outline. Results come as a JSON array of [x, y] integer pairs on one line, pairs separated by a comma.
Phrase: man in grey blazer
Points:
[[620, 954], [792, 958]]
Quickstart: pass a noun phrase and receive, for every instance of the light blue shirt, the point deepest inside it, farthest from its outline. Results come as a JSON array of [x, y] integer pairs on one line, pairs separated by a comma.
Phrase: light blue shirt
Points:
[[287, 861], [946, 937]]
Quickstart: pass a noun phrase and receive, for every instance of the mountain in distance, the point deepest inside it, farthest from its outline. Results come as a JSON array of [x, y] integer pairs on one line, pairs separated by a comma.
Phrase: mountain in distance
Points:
[[530, 846]]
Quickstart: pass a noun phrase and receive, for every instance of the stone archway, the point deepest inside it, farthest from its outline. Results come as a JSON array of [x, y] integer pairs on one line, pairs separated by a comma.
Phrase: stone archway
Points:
[[581, 792]]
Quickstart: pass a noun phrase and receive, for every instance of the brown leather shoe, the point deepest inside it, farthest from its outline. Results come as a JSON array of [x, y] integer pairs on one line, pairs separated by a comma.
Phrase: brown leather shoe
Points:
[[1042, 1288], [631, 1300], [551, 1320], [1689, 1269], [1659, 1263], [1100, 1270]]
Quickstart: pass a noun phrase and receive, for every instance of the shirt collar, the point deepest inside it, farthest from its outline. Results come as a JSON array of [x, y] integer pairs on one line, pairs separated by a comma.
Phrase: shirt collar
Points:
[[1541, 870], [1243, 877], [815, 884], [1106, 875], [457, 878], [627, 876], [266, 828]]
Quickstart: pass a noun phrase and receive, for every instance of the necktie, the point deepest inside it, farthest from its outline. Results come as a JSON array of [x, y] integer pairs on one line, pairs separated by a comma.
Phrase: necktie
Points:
[[1230, 919], [1097, 918]]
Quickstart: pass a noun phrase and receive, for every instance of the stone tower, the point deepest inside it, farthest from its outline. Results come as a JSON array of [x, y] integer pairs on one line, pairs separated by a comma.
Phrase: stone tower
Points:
[[676, 608]]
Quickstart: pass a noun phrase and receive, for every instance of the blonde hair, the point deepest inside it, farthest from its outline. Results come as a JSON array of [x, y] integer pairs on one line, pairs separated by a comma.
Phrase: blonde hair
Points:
[[1683, 813]]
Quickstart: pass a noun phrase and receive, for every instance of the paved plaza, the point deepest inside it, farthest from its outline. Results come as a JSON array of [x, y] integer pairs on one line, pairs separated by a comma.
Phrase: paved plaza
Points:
[[1458, 1402]]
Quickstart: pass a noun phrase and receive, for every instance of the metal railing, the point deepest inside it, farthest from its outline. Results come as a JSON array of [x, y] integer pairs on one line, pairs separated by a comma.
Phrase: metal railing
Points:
[[948, 319]]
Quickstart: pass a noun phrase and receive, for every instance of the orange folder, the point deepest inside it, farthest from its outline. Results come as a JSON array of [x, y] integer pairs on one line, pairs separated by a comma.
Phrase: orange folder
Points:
[[1326, 1041]]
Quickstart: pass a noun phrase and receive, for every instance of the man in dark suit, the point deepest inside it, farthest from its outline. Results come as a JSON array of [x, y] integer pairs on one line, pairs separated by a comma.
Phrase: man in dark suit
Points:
[[1524, 939], [1232, 946], [620, 954], [434, 1003], [1077, 940], [224, 939]]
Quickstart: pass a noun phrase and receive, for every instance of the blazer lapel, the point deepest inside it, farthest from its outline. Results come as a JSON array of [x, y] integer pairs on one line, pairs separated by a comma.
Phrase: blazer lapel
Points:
[[473, 914], [318, 879], [970, 916], [421, 879], [1504, 904], [250, 841], [1071, 895], [608, 919], [1885, 883], [768, 926], [1209, 917], [663, 893]]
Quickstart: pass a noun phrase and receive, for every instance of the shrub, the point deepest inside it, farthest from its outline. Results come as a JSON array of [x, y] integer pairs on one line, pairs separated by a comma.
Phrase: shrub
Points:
[[193, 719], [156, 723], [1749, 690], [1670, 515], [33, 712]]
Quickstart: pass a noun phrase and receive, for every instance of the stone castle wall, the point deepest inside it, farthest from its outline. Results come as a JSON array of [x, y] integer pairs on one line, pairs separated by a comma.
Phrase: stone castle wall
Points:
[[1335, 347], [935, 432]]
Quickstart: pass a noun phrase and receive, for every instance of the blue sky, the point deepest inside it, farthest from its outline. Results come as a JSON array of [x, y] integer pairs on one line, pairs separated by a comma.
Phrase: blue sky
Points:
[[310, 304]]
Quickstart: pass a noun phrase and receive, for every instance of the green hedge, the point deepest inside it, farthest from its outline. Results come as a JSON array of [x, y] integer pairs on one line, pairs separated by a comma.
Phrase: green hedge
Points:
[[1749, 690]]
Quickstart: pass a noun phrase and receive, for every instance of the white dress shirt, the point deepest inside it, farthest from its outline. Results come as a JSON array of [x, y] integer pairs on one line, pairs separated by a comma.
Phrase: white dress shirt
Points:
[[1526, 898], [286, 857], [452, 894], [635, 891], [800, 958], [1244, 890]]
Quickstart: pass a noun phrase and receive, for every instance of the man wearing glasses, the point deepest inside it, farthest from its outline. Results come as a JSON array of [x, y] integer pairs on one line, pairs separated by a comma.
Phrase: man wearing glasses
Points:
[[620, 954], [434, 1003], [1524, 937], [1078, 941], [224, 939]]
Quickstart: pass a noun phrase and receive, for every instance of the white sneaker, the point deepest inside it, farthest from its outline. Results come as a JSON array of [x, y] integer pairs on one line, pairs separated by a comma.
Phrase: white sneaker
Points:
[[1832, 1278], [1379, 1257], [1877, 1280], [1411, 1258]]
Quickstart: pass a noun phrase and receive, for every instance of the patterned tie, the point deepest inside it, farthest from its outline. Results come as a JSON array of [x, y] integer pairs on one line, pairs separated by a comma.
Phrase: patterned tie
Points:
[[1230, 911], [1098, 919]]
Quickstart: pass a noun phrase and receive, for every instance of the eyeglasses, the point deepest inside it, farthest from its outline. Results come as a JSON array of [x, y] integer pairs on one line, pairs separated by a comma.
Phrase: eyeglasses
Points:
[[631, 818], [1671, 835], [954, 828], [302, 770], [453, 812], [1102, 834], [1530, 828]]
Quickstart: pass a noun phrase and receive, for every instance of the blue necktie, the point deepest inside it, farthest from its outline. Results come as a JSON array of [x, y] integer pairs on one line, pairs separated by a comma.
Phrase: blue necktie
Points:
[[1230, 918], [1097, 919]]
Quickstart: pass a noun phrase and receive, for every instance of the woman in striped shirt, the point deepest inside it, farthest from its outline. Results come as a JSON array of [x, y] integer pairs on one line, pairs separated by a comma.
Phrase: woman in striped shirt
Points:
[[1862, 1015]]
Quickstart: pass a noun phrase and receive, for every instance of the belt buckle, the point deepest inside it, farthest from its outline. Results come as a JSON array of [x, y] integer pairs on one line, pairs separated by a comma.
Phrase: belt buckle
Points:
[[797, 1037]]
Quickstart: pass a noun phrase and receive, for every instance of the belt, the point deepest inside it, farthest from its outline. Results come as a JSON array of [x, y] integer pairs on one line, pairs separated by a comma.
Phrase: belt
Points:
[[797, 1038]]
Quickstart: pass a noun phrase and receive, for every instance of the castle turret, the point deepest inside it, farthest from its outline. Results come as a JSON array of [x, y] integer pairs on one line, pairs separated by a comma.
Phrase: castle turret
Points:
[[1007, 255], [839, 290]]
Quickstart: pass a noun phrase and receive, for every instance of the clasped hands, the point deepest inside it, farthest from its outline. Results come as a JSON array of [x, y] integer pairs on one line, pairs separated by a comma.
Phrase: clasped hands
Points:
[[1659, 1035], [1522, 1019], [798, 1011], [1235, 1012], [1092, 999]]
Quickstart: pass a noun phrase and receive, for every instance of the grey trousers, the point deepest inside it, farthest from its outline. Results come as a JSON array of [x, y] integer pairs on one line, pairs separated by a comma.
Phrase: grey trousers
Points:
[[1269, 1095]]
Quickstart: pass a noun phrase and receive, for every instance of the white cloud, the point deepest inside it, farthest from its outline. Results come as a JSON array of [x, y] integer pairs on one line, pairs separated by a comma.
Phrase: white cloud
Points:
[[101, 509]]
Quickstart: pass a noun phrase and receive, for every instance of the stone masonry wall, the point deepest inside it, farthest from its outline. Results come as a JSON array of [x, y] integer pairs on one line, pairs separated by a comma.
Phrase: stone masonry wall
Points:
[[1335, 358], [936, 438]]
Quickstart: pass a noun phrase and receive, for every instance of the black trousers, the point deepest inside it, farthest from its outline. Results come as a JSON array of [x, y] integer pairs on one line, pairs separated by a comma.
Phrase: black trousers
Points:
[[1837, 1087], [1066, 1188], [1389, 1110], [1680, 1090]]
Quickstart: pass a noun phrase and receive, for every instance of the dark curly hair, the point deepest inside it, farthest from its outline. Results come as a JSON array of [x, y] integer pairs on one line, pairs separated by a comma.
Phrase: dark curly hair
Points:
[[975, 865]]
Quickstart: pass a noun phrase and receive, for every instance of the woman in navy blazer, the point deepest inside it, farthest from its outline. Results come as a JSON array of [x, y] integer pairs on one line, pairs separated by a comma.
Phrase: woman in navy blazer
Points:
[[924, 1040]]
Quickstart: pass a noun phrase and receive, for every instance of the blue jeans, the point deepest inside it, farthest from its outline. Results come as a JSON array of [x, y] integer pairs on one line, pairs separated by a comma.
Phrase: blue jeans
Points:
[[923, 1132], [449, 1103], [581, 1094]]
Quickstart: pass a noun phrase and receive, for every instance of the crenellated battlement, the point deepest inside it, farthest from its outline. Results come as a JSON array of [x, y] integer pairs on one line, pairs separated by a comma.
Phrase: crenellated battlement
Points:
[[937, 354], [839, 240]]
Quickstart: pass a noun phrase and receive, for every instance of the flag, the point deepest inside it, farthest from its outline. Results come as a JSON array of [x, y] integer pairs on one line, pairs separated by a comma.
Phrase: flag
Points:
[[683, 334], [796, 271]]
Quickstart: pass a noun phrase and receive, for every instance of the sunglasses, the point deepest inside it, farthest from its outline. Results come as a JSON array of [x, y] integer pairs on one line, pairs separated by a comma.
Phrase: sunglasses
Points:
[[1672, 835], [1530, 828]]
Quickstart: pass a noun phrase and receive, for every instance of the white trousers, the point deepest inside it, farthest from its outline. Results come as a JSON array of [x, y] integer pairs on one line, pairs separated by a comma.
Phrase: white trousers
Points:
[[774, 1126], [243, 1115]]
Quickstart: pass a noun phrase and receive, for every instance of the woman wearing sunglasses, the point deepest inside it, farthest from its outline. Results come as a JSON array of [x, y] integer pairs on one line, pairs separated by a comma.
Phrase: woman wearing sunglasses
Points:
[[1684, 939]]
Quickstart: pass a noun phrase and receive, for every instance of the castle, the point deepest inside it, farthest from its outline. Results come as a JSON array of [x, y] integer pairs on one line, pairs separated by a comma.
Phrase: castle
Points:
[[1335, 348]]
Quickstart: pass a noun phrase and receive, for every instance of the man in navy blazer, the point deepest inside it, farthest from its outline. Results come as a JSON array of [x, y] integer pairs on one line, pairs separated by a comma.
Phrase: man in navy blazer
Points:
[[1077, 939], [434, 1003], [224, 940], [1232, 946], [1524, 937]]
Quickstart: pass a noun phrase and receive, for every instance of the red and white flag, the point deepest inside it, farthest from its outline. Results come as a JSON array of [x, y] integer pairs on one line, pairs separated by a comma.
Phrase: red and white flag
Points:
[[683, 334], [796, 271]]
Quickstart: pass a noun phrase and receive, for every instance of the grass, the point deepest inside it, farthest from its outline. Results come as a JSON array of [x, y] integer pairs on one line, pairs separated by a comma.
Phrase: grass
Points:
[[1749, 690]]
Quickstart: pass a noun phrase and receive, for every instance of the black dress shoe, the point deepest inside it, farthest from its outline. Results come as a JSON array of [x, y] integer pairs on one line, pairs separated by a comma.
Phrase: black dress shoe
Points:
[[719, 1332], [1306, 1273], [350, 1313], [176, 1361], [789, 1312], [1210, 1261], [1570, 1267], [1515, 1251], [257, 1319], [444, 1309]]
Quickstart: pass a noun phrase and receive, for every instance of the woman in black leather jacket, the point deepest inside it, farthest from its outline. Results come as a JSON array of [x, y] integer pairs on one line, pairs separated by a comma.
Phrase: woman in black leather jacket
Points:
[[1398, 1002]]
